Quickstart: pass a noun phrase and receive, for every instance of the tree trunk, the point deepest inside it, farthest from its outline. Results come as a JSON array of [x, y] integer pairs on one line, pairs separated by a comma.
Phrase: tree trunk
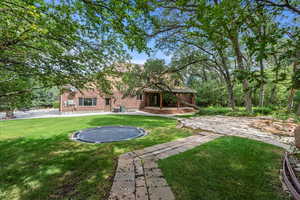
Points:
[[273, 94], [247, 96], [290, 100], [262, 88], [291, 97], [231, 99], [9, 114], [226, 75], [261, 95], [240, 64], [204, 74], [298, 110]]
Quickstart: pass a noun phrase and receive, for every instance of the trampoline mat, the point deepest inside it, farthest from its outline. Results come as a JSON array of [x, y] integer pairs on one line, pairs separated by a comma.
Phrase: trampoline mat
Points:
[[108, 134]]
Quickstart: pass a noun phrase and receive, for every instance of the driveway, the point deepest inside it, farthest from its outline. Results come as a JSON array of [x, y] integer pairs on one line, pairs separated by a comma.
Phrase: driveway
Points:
[[46, 113]]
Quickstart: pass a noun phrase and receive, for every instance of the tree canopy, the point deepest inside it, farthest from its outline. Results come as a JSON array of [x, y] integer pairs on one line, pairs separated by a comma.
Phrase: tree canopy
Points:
[[237, 40], [243, 44], [66, 41]]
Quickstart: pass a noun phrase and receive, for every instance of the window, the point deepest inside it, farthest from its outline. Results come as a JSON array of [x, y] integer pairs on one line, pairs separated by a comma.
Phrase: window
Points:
[[70, 103], [107, 101], [139, 97], [87, 101], [176, 83]]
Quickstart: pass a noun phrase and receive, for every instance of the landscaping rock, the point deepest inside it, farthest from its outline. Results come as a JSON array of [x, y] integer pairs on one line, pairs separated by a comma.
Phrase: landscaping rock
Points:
[[277, 127], [245, 127]]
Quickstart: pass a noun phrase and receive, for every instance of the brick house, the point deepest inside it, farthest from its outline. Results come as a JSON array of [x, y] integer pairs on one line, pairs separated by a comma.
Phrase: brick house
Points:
[[154, 101], [151, 100]]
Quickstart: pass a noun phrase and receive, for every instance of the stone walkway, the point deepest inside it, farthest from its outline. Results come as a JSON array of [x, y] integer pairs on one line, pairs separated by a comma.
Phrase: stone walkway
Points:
[[236, 126], [138, 176]]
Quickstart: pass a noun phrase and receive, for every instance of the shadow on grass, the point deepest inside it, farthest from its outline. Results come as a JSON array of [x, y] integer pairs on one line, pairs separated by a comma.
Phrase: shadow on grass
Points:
[[39, 161], [54, 168], [226, 168]]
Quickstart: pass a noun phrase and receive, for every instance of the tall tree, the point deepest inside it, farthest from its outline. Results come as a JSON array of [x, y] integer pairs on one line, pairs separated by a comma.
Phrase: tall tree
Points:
[[59, 42], [22, 96], [221, 23], [66, 42]]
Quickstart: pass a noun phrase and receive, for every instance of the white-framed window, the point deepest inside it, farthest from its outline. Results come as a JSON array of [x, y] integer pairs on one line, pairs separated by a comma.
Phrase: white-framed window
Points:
[[139, 97], [87, 101], [70, 102]]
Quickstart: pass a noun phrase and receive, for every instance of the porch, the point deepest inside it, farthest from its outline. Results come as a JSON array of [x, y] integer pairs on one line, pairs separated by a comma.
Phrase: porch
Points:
[[169, 102]]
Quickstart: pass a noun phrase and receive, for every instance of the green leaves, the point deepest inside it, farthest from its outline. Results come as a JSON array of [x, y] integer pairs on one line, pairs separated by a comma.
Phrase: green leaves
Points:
[[68, 42], [296, 79], [297, 97]]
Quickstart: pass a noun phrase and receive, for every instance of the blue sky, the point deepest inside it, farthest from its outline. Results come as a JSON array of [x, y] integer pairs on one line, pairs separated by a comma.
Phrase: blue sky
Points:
[[140, 58]]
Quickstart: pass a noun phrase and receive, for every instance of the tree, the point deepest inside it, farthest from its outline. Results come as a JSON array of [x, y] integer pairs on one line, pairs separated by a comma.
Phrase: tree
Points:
[[179, 28], [292, 5], [45, 97], [295, 86], [155, 74], [21, 97], [66, 42], [210, 60], [235, 36], [220, 23], [297, 100]]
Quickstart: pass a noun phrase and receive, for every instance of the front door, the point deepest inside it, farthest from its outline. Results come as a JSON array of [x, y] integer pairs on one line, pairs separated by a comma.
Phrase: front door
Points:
[[107, 106]]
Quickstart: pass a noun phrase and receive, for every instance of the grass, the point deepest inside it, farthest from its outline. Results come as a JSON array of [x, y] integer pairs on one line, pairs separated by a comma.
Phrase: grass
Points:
[[228, 168], [39, 161]]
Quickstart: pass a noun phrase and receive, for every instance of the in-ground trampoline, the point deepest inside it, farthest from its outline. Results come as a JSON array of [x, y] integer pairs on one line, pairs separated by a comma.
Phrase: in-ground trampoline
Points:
[[108, 134]]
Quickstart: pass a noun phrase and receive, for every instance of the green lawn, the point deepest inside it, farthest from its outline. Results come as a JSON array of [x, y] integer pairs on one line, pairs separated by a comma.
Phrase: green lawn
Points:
[[39, 161], [228, 168]]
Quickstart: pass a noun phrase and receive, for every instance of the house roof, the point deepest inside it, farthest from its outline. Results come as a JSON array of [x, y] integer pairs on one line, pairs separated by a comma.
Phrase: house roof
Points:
[[175, 90]]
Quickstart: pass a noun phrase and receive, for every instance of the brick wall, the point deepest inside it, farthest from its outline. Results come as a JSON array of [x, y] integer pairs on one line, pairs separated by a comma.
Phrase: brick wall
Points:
[[130, 103], [187, 98]]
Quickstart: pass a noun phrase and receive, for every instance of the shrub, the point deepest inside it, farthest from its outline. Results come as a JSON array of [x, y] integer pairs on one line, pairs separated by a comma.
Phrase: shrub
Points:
[[262, 110], [55, 104], [240, 114], [214, 111]]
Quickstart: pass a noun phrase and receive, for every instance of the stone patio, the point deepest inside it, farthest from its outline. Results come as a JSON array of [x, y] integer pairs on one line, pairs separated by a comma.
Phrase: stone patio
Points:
[[236, 126], [138, 176]]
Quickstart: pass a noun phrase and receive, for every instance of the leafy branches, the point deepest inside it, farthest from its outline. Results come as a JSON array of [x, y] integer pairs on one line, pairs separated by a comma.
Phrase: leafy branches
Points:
[[287, 4]]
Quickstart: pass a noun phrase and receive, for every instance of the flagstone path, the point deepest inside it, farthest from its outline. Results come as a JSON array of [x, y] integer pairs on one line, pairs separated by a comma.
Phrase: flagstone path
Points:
[[236, 126], [138, 176]]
